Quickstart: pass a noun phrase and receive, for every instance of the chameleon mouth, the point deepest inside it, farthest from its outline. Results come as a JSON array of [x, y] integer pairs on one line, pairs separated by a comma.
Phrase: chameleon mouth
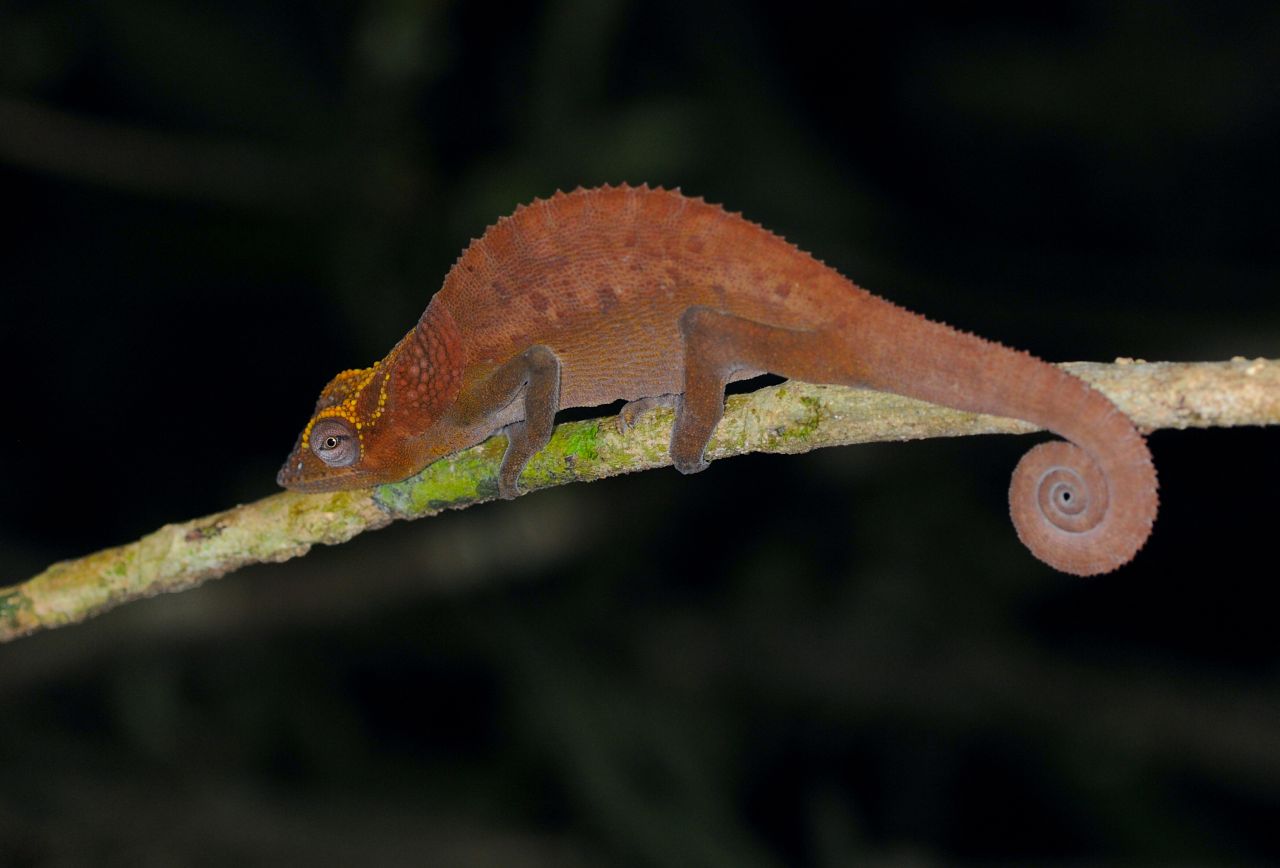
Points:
[[293, 477], [287, 478]]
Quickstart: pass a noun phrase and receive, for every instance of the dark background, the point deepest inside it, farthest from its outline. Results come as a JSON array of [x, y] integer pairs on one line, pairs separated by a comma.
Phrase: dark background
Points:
[[832, 659]]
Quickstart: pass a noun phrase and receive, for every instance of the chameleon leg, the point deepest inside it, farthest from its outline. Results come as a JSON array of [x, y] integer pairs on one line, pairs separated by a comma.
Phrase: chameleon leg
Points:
[[534, 375], [716, 346]]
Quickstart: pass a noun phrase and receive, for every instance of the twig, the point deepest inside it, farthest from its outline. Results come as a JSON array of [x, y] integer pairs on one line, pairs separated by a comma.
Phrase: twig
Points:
[[791, 417]]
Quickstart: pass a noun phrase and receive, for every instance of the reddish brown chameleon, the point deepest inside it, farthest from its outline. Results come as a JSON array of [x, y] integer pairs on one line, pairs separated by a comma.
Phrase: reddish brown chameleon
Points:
[[636, 293]]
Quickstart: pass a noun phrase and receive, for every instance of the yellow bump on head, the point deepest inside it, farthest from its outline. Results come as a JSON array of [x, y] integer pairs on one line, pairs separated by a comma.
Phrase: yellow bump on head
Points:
[[342, 395]]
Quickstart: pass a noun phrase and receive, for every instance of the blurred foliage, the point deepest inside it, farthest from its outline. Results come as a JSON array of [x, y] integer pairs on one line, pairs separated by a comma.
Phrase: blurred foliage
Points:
[[822, 660]]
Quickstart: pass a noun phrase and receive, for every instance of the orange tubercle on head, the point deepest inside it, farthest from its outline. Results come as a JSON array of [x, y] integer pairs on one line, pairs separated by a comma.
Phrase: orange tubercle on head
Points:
[[365, 419], [339, 446]]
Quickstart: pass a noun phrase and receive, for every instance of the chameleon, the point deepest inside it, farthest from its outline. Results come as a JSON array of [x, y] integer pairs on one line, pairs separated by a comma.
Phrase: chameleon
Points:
[[646, 295]]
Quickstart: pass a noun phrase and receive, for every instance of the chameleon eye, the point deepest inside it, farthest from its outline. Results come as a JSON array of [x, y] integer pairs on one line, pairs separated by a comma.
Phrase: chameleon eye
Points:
[[334, 442]]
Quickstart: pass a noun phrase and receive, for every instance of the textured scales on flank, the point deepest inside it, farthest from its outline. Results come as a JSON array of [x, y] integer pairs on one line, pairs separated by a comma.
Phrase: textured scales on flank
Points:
[[636, 293]]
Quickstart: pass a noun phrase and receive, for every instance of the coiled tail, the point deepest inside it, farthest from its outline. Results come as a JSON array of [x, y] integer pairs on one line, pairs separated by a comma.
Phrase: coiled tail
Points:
[[1084, 507]]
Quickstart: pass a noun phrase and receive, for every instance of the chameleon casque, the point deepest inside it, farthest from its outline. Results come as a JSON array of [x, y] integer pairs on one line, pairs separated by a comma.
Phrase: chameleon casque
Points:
[[635, 293]]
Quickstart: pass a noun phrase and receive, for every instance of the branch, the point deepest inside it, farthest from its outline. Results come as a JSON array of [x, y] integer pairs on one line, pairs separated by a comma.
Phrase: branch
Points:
[[791, 417]]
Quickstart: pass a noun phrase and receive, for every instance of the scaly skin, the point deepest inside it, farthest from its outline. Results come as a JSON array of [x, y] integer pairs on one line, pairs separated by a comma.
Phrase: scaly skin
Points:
[[633, 293]]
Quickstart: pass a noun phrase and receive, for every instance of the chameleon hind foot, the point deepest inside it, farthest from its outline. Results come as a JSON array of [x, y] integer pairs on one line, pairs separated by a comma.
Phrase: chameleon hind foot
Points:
[[719, 345]]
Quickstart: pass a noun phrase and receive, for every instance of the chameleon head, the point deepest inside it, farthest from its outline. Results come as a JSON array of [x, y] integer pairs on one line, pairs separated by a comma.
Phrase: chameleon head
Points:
[[350, 441], [385, 423]]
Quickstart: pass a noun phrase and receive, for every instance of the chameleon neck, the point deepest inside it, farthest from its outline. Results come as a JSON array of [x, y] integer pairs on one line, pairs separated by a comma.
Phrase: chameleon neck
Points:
[[427, 366]]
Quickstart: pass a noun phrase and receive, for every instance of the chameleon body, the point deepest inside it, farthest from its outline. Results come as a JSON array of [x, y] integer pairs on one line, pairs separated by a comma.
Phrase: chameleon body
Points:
[[636, 293]]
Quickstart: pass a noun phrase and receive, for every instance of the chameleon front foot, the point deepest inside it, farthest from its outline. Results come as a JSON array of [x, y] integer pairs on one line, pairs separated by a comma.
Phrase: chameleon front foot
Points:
[[509, 472], [533, 379]]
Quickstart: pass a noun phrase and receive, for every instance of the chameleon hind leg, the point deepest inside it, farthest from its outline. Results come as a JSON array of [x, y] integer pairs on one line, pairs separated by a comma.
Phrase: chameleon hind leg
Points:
[[718, 345], [532, 377]]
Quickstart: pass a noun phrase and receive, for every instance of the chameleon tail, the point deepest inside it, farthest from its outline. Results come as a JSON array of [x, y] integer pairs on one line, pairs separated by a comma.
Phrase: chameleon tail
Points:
[[1087, 506], [1084, 507]]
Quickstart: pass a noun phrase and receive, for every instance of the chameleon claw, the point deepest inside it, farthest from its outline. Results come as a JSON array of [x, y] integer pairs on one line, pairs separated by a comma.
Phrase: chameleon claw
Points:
[[509, 488], [686, 466]]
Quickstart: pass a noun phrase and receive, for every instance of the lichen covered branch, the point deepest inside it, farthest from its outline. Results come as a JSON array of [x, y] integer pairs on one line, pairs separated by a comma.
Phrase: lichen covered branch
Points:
[[791, 417]]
